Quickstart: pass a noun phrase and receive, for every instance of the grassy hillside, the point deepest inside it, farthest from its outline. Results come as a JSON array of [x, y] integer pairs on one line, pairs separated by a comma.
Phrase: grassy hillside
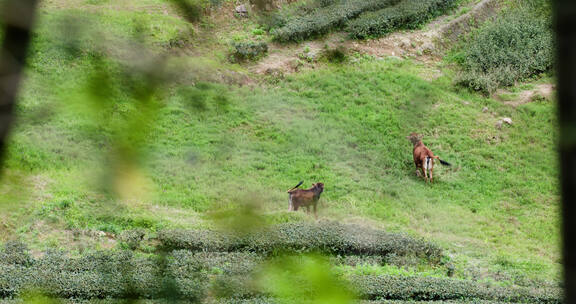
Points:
[[195, 151]]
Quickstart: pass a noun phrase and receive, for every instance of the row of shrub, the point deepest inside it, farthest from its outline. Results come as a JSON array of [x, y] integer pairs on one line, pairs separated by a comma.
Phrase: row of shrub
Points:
[[121, 274], [407, 14], [516, 45], [325, 237], [185, 275], [125, 276], [373, 287], [295, 9], [326, 18]]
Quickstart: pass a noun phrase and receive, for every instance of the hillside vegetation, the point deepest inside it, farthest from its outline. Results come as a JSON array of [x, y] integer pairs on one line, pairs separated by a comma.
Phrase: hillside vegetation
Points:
[[122, 154], [515, 46]]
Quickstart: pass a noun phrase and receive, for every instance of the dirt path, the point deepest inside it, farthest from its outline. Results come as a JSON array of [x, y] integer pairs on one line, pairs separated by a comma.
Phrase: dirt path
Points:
[[426, 45], [544, 91]]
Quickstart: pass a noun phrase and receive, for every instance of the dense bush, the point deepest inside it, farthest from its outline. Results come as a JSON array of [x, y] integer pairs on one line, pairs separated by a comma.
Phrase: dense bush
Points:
[[327, 237], [511, 48], [247, 50], [438, 289], [324, 19], [406, 14]]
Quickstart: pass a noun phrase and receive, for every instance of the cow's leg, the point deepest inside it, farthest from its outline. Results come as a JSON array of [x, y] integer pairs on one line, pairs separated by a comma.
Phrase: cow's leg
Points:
[[417, 168], [308, 209], [315, 210], [290, 207], [431, 171], [425, 169]]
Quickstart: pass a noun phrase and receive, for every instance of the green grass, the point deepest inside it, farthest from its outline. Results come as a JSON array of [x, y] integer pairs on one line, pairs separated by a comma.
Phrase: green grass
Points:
[[213, 147]]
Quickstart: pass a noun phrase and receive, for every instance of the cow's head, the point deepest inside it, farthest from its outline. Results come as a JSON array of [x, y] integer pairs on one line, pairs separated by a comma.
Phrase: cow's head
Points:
[[414, 138], [318, 187]]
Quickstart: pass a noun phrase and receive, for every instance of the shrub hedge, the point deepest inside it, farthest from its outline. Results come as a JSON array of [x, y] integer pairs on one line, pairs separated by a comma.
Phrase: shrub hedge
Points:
[[121, 274], [326, 18], [374, 287], [406, 14], [189, 276], [326, 237], [225, 276]]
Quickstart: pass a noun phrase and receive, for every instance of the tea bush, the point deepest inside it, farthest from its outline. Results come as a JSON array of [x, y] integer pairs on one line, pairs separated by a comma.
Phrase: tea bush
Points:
[[407, 14], [184, 261], [326, 237], [374, 287], [15, 252], [513, 47], [247, 50], [191, 276], [132, 238], [324, 19], [121, 274]]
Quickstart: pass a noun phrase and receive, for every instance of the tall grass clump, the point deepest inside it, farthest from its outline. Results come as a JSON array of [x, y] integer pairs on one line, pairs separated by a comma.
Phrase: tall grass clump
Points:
[[324, 19], [513, 47], [407, 14]]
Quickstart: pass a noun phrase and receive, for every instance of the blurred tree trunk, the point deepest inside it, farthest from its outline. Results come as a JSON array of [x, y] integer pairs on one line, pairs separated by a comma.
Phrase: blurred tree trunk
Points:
[[17, 19], [565, 13]]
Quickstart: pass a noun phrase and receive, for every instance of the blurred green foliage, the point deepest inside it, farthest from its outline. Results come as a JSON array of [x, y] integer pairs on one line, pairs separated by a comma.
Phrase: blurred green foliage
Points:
[[292, 278]]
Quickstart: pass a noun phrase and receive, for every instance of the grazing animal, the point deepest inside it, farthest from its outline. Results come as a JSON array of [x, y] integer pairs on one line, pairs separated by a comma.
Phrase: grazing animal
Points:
[[423, 157], [305, 197]]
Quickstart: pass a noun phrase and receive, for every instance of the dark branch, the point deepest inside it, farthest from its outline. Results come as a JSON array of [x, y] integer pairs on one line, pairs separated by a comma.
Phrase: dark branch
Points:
[[565, 13], [17, 17]]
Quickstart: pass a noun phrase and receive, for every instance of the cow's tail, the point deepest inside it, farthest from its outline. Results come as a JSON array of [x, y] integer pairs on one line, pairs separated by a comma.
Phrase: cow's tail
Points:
[[443, 162], [300, 183]]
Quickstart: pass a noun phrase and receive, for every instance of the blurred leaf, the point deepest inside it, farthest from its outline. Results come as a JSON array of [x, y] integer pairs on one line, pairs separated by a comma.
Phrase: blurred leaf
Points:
[[296, 277], [242, 217]]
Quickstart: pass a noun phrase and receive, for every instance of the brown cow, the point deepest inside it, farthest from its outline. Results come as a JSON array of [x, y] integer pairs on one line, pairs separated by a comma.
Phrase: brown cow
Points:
[[423, 157], [305, 197]]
